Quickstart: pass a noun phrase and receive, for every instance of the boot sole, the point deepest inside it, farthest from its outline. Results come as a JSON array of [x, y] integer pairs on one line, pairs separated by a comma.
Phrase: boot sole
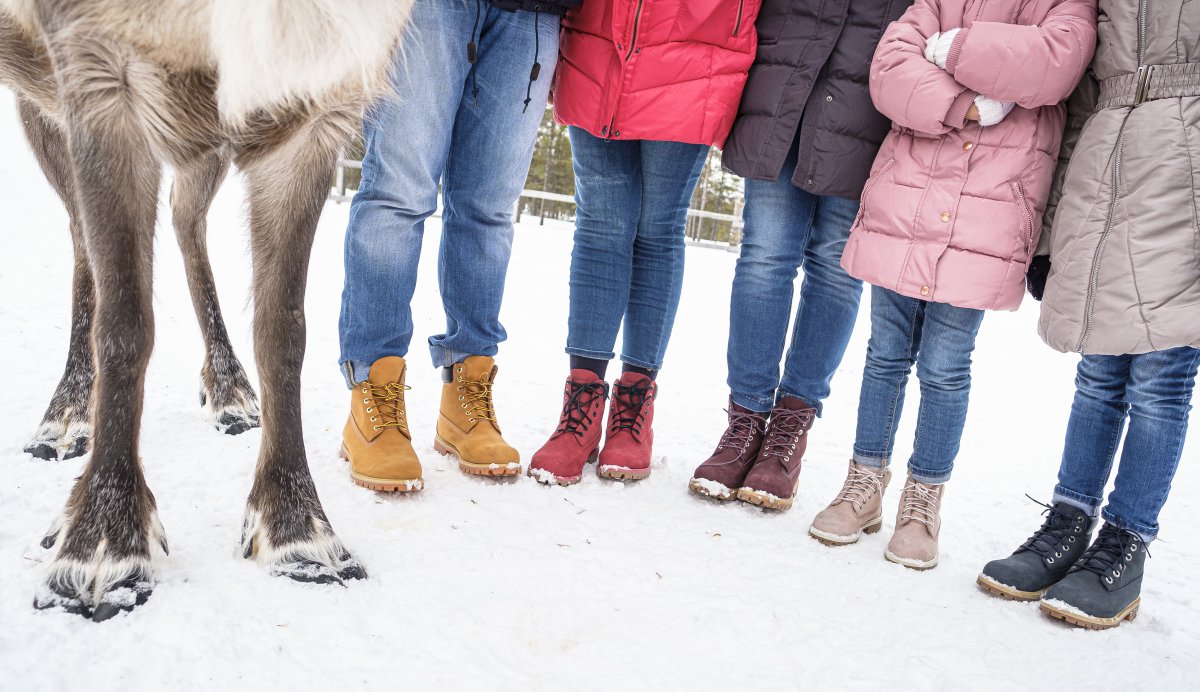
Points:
[[620, 473], [994, 588], [834, 540], [919, 565], [509, 468], [706, 489], [549, 478], [767, 500], [1092, 623], [383, 485]]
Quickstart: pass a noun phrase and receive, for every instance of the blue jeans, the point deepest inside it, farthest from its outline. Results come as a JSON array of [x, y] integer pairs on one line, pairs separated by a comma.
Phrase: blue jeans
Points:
[[939, 339], [1154, 392], [627, 264], [478, 145], [787, 229]]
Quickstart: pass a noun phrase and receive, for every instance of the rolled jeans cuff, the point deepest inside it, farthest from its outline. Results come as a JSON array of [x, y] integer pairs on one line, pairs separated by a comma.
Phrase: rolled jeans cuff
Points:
[[1146, 533], [873, 459], [927, 477], [1087, 504]]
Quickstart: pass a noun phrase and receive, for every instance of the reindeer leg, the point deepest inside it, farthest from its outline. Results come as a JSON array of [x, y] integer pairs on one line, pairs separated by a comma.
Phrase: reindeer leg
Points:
[[224, 388], [67, 425], [110, 528], [285, 527]]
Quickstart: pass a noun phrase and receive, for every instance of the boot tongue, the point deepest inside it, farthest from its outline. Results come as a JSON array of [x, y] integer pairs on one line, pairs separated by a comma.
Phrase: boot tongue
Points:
[[634, 379], [388, 369], [475, 367]]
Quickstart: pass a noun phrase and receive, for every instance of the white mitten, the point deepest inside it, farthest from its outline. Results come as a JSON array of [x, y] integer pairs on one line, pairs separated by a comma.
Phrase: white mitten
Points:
[[992, 111], [937, 47]]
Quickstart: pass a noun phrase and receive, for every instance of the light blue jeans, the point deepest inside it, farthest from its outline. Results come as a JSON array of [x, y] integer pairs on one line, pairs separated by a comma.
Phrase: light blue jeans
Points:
[[1153, 391], [466, 126], [788, 229], [937, 338], [627, 262]]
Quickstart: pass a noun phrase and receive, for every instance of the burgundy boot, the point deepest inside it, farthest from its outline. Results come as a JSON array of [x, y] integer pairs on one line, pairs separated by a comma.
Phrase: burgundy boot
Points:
[[630, 441], [724, 472], [576, 441], [773, 479]]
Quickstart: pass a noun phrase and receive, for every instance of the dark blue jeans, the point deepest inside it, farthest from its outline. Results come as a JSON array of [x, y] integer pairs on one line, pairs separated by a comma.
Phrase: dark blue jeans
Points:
[[478, 146], [1153, 391], [939, 339], [627, 264], [788, 229]]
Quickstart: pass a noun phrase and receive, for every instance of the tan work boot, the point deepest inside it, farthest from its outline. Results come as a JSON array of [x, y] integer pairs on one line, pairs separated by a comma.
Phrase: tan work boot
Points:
[[467, 426], [918, 522], [376, 440], [857, 509]]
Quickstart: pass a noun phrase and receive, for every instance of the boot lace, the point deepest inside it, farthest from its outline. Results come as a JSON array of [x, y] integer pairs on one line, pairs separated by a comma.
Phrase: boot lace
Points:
[[386, 402], [860, 487], [1109, 555], [577, 405], [1057, 535], [476, 396], [919, 503], [743, 427], [629, 404], [787, 425]]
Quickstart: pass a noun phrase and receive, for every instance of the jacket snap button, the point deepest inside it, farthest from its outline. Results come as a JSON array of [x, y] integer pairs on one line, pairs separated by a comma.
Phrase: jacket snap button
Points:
[[808, 180], [616, 133], [924, 290], [828, 98], [945, 217], [968, 146]]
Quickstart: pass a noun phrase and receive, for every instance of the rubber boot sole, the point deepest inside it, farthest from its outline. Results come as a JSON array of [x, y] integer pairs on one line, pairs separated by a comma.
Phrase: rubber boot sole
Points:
[[765, 500], [994, 588], [383, 485], [621, 473], [550, 478], [919, 565], [834, 540], [510, 468], [712, 489], [1079, 619]]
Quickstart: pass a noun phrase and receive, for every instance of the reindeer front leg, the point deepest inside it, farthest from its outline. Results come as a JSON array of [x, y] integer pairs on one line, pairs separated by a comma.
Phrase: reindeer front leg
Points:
[[285, 527]]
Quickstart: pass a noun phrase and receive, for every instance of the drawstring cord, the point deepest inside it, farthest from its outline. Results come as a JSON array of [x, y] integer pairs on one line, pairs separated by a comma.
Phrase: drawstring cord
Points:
[[536, 70]]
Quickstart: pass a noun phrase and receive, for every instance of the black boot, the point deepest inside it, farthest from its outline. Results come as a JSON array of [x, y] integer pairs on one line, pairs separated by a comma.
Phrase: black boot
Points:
[[1105, 587], [1042, 560]]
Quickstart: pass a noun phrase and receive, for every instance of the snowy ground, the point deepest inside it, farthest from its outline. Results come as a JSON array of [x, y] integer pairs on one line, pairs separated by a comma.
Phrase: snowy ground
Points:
[[479, 584]]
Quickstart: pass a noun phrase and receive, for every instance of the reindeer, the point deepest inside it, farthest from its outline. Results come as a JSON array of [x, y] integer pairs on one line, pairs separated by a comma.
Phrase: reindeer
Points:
[[110, 91]]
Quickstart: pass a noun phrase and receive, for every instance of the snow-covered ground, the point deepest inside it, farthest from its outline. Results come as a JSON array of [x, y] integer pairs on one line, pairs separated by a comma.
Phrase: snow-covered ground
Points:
[[477, 584]]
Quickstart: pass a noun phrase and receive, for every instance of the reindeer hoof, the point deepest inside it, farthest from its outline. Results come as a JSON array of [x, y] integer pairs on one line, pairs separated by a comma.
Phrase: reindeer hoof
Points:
[[42, 450], [77, 448], [122, 598], [236, 423]]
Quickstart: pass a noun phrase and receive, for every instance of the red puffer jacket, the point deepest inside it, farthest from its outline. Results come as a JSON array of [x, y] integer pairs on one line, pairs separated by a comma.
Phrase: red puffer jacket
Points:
[[666, 70]]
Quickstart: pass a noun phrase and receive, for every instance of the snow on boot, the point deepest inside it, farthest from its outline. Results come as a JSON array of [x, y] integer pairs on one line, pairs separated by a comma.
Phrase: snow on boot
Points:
[[576, 441], [467, 428], [630, 439], [1042, 560], [857, 509], [914, 544], [376, 440], [1105, 587], [724, 472], [772, 480]]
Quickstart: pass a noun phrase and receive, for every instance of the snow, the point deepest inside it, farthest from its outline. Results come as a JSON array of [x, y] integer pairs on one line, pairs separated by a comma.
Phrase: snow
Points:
[[510, 584]]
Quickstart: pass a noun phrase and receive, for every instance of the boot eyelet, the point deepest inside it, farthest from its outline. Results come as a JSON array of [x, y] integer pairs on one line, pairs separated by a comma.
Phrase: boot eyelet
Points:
[[1070, 539], [374, 418], [1078, 529], [472, 420], [1108, 580], [366, 401], [378, 427], [1057, 554], [1050, 561], [370, 409], [1115, 573], [461, 397], [1133, 547], [1066, 549], [1128, 557]]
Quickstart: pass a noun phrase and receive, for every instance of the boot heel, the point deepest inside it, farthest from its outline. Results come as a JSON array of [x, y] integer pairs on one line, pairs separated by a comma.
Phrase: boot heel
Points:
[[594, 456], [442, 448], [344, 453], [873, 528]]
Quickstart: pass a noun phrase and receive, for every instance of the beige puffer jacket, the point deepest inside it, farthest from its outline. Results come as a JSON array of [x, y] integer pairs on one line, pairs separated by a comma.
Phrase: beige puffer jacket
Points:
[[1122, 226]]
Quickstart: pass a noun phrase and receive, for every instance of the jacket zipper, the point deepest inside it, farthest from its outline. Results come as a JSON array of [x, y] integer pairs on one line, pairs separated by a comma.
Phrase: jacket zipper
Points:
[[637, 21], [1094, 279], [1019, 189], [737, 26], [862, 200]]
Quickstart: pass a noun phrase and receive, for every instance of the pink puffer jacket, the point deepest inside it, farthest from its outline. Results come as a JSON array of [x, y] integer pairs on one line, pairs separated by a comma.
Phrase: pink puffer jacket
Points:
[[665, 70], [951, 211]]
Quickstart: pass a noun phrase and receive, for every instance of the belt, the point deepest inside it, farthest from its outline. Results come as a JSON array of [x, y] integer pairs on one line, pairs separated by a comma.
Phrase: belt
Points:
[[1149, 83]]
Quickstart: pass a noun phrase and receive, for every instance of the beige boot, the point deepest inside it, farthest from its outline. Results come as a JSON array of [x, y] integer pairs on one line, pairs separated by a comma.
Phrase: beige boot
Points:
[[857, 509], [918, 523], [467, 426], [376, 440]]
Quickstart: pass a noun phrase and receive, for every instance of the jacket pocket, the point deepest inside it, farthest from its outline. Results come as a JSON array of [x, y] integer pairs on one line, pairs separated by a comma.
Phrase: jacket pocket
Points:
[[741, 17], [862, 200], [1026, 214]]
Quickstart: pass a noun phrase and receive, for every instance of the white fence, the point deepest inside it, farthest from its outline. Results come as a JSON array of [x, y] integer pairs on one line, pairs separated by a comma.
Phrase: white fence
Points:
[[340, 193]]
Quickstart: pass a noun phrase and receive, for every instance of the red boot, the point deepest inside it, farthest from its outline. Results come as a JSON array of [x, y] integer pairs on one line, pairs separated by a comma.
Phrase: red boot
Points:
[[576, 441], [630, 440]]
